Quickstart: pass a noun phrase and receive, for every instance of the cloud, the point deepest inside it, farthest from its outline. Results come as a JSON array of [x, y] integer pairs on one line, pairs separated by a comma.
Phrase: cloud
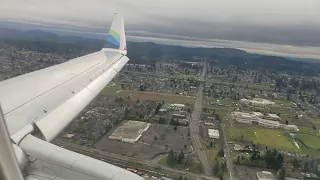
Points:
[[287, 22]]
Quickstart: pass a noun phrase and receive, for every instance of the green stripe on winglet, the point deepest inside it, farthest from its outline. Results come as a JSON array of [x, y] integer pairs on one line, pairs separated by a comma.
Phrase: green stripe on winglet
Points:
[[114, 33]]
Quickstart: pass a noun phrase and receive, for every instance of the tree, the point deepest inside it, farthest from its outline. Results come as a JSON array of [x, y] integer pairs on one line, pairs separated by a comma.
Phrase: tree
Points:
[[185, 178], [221, 152], [287, 122], [141, 87], [175, 128], [223, 166], [155, 137], [217, 117], [211, 144], [158, 108], [296, 163], [181, 157], [238, 160], [216, 168], [221, 176], [282, 174], [171, 158], [180, 177]]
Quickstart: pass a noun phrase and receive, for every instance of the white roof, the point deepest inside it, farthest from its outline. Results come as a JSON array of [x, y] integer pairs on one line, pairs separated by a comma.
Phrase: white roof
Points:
[[213, 132], [264, 121], [273, 115], [257, 113]]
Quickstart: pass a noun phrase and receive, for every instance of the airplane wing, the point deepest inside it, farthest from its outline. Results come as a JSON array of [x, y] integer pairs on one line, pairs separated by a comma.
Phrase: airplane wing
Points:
[[47, 100]]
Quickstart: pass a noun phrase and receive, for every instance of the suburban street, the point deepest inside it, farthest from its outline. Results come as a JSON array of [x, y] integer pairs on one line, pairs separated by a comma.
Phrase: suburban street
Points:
[[194, 126], [228, 154]]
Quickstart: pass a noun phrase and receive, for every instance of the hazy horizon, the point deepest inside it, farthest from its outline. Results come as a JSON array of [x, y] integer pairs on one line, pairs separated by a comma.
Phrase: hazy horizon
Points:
[[286, 28]]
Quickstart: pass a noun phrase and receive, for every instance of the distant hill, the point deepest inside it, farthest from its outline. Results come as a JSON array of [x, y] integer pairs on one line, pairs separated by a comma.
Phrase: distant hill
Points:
[[148, 52]]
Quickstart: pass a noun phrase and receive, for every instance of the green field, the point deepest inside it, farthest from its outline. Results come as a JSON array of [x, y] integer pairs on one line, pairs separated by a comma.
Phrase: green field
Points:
[[211, 156], [310, 140], [111, 90], [250, 86], [145, 95], [316, 122], [191, 166], [283, 102], [270, 137]]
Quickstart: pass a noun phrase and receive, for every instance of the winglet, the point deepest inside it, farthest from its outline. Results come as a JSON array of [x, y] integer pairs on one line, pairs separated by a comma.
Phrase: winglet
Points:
[[116, 39]]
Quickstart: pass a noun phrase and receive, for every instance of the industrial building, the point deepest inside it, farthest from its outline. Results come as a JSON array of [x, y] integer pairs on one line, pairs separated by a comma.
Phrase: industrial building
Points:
[[130, 132], [273, 117], [268, 123], [289, 127], [213, 133], [260, 119], [265, 175], [243, 117], [177, 106], [257, 102]]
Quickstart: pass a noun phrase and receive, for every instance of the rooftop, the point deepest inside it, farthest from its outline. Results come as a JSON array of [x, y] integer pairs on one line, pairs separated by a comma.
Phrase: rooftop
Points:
[[265, 175]]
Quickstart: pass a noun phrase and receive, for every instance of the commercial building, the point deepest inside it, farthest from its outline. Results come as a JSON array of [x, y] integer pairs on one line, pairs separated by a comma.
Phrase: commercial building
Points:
[[260, 119], [179, 116], [289, 127], [273, 117], [177, 106], [265, 175], [130, 132], [244, 117], [213, 133], [268, 123], [257, 102]]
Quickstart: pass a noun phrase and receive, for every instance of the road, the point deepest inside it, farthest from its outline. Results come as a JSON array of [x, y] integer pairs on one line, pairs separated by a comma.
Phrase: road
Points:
[[194, 126], [128, 162], [227, 153]]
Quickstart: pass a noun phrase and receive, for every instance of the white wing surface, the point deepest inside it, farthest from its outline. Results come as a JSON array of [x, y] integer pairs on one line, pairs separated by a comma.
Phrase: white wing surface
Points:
[[49, 99]]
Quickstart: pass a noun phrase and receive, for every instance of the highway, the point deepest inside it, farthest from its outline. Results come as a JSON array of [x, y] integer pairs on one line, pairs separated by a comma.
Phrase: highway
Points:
[[194, 126], [227, 153]]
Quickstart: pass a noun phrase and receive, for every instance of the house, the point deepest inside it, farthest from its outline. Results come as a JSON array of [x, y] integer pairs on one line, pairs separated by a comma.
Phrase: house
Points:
[[238, 147]]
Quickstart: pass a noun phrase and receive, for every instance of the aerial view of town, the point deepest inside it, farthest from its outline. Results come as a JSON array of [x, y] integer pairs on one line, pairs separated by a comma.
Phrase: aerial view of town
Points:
[[193, 116], [160, 90]]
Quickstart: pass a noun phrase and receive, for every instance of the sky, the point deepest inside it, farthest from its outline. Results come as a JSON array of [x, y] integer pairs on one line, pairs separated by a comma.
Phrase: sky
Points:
[[281, 27]]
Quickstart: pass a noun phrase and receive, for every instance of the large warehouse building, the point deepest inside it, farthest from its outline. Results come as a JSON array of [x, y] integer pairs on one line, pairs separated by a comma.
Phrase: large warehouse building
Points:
[[130, 132], [213, 133], [265, 175]]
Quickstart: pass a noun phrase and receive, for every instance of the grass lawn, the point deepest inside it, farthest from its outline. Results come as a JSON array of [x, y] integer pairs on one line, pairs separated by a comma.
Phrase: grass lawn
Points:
[[145, 95], [310, 140], [270, 137], [190, 166], [283, 102], [250, 86], [111, 90], [211, 156], [317, 122]]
